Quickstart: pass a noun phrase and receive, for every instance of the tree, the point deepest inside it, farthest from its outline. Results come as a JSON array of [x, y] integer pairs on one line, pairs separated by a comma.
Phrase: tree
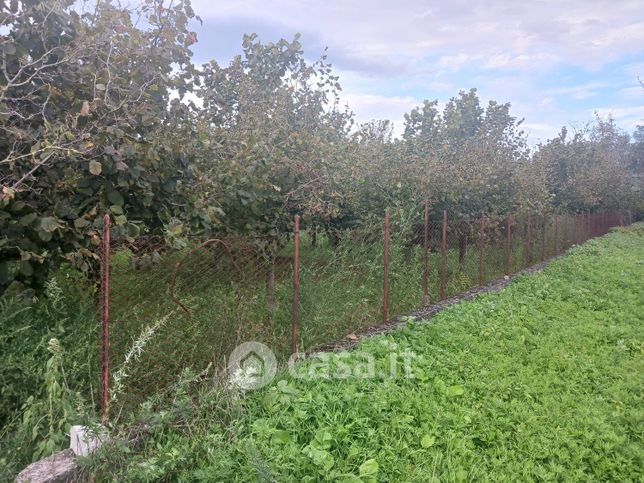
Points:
[[636, 158], [588, 170], [87, 127], [274, 138]]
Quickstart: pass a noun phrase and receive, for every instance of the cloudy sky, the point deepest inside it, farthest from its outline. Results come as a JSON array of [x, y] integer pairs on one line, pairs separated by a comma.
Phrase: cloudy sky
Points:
[[556, 62]]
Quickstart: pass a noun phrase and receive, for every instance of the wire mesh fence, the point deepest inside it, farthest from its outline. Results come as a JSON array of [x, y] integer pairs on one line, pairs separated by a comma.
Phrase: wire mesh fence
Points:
[[167, 310], [178, 309]]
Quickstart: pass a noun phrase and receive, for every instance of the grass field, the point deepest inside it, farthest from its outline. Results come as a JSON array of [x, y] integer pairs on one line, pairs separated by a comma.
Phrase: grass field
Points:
[[542, 381]]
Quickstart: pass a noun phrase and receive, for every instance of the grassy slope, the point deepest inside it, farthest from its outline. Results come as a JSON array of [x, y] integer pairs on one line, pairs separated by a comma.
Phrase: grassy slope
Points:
[[551, 376]]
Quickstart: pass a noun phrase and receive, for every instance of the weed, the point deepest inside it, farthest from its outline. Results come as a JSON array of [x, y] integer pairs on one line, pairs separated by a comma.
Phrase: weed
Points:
[[541, 381]]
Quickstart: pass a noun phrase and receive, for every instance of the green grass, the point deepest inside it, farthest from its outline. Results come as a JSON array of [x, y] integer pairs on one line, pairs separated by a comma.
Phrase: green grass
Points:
[[542, 381], [45, 386]]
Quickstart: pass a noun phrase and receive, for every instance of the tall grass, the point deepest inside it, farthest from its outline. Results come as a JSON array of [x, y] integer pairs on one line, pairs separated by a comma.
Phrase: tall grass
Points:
[[48, 369]]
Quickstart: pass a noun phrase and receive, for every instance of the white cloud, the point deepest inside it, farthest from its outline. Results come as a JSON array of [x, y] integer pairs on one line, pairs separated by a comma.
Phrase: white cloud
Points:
[[627, 117], [508, 35], [620, 112], [632, 92], [579, 92], [540, 132], [507, 60], [456, 61], [370, 106]]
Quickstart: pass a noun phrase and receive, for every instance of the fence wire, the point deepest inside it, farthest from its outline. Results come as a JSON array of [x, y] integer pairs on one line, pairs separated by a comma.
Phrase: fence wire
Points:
[[185, 308]]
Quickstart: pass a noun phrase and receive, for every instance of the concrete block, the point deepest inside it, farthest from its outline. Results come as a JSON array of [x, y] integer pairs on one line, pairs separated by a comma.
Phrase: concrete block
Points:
[[83, 440]]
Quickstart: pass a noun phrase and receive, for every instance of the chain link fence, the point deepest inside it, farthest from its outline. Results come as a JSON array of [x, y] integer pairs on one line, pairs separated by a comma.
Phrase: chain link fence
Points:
[[171, 312]]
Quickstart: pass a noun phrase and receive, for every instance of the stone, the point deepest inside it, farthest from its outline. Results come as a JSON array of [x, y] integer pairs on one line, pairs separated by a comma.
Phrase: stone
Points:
[[57, 468]]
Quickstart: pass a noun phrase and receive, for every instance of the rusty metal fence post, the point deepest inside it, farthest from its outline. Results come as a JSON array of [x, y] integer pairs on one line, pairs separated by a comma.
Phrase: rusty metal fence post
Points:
[[481, 248], [508, 245], [575, 230], [582, 225], [385, 271], [105, 321], [296, 283], [426, 255], [443, 256]]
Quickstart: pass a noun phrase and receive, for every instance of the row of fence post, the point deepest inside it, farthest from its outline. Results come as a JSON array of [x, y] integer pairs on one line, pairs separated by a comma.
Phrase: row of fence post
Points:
[[578, 230], [579, 235]]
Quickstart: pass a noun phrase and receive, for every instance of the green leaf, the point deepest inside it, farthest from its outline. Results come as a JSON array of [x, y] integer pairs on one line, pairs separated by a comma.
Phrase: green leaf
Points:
[[281, 436], [131, 230], [28, 219], [349, 479], [49, 224], [4, 273], [45, 235], [95, 168], [26, 269], [80, 223], [115, 198], [270, 400], [455, 390], [116, 210], [9, 48], [369, 468], [427, 441]]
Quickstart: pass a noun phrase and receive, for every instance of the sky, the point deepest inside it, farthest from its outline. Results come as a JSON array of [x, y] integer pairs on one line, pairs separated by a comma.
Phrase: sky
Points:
[[556, 62]]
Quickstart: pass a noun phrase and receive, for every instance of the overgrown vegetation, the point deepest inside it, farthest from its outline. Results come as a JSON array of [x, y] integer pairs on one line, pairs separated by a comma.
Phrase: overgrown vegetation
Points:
[[226, 298], [103, 113], [540, 381], [48, 370], [153, 339]]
